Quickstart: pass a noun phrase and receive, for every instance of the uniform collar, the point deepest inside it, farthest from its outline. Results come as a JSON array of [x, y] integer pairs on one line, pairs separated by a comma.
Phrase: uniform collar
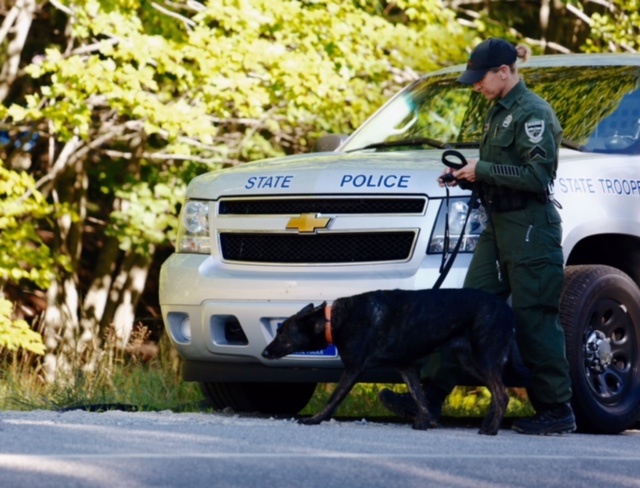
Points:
[[510, 98]]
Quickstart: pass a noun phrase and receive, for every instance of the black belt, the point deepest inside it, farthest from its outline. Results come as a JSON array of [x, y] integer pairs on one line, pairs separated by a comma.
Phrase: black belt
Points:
[[500, 199]]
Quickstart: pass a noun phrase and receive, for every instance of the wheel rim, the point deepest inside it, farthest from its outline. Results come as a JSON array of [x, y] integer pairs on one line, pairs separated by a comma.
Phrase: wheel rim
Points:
[[609, 351]]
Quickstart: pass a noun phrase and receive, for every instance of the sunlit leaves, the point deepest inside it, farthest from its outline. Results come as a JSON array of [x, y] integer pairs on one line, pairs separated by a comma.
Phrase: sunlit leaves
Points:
[[315, 65], [23, 253], [616, 29], [16, 334], [134, 98], [145, 216]]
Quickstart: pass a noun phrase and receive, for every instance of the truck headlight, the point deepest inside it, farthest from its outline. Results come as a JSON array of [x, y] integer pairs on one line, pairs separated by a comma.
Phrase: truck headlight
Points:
[[193, 232], [458, 208]]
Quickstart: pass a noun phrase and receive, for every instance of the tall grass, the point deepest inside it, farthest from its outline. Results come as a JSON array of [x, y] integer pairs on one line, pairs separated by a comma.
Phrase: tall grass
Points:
[[120, 377], [133, 378]]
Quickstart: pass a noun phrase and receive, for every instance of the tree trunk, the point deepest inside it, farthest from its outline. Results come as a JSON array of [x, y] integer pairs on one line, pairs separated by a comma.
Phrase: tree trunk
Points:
[[61, 319], [96, 299], [61, 330], [16, 26], [125, 295]]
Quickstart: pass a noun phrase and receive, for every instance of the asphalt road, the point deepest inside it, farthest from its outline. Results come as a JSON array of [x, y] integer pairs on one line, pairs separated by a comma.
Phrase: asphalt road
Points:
[[165, 449]]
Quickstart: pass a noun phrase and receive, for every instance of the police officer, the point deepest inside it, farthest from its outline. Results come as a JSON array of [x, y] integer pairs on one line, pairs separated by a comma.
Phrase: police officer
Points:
[[519, 253]]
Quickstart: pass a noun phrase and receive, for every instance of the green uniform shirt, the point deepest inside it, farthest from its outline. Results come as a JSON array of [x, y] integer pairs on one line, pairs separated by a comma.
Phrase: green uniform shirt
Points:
[[521, 137]]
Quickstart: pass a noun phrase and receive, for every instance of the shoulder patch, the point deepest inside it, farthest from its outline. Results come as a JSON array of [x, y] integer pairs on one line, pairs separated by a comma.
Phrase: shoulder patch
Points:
[[534, 130]]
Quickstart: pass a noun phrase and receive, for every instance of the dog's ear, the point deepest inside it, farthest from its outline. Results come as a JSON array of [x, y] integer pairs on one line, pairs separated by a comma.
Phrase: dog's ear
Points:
[[322, 306], [306, 309]]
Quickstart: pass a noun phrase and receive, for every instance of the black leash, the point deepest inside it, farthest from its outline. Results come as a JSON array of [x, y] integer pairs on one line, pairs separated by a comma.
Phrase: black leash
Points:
[[449, 258]]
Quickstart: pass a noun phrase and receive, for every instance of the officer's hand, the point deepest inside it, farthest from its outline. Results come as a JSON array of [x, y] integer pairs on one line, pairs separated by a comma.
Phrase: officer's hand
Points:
[[467, 172], [447, 178]]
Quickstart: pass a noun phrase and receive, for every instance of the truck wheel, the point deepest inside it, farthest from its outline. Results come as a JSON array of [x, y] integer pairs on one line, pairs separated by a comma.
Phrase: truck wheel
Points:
[[600, 313], [270, 398]]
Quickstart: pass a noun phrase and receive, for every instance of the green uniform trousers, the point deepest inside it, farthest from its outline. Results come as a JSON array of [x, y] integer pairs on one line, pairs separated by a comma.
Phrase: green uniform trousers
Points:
[[528, 242]]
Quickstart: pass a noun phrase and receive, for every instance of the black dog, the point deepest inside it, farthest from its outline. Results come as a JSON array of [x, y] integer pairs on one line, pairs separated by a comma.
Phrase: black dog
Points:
[[397, 328]]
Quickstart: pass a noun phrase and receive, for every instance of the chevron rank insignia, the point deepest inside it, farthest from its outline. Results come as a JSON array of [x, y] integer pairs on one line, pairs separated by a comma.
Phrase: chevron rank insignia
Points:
[[537, 152]]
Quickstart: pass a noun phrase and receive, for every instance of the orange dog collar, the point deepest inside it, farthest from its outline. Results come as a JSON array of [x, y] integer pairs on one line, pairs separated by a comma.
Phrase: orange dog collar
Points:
[[327, 325]]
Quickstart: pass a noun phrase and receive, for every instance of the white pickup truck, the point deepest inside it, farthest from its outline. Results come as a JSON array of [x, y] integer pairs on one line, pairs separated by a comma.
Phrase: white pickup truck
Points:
[[258, 242]]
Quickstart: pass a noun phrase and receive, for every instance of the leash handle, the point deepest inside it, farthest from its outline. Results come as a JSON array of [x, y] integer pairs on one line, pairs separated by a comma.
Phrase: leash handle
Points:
[[452, 152], [448, 177], [447, 259]]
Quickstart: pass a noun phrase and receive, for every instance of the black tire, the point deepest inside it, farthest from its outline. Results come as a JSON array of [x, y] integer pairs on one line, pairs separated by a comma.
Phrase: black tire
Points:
[[600, 313], [269, 398]]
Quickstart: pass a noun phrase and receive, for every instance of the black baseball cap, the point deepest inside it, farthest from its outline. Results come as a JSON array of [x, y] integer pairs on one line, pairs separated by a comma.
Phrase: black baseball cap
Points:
[[489, 54]]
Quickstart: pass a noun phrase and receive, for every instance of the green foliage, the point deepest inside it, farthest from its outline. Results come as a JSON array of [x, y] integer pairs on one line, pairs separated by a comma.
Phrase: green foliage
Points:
[[615, 29], [24, 256], [16, 334], [327, 63], [146, 216], [560, 27], [138, 97], [23, 253], [217, 83], [475, 402], [266, 71], [462, 402]]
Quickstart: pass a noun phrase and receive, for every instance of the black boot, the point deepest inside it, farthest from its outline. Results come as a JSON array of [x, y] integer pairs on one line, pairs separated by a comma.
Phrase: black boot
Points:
[[555, 418], [403, 405]]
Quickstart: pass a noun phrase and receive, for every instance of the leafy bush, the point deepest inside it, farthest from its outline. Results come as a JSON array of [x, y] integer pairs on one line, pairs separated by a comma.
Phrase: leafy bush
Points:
[[462, 402], [16, 334]]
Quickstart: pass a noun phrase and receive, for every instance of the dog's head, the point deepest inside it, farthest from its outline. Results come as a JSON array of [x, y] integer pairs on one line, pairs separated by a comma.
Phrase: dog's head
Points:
[[301, 332]]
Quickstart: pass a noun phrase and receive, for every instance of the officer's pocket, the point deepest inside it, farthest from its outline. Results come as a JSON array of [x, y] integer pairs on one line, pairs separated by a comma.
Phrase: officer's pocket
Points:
[[538, 281], [502, 142], [504, 138]]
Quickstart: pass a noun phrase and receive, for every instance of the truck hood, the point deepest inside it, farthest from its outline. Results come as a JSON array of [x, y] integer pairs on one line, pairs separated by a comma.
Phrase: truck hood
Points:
[[399, 172]]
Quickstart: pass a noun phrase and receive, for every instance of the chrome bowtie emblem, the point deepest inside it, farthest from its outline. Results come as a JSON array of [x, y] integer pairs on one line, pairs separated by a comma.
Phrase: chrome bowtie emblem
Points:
[[308, 223]]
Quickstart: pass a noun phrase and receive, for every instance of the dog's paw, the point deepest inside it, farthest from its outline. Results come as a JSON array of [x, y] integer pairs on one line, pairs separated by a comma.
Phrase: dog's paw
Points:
[[489, 426], [422, 425]]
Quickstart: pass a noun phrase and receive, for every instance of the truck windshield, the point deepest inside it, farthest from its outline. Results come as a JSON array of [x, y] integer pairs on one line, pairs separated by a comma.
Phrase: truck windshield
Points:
[[598, 107]]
